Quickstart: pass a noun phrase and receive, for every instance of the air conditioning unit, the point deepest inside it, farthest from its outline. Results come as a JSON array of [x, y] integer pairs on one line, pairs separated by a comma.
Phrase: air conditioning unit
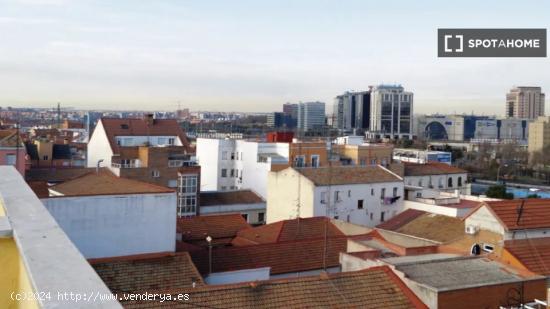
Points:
[[471, 229]]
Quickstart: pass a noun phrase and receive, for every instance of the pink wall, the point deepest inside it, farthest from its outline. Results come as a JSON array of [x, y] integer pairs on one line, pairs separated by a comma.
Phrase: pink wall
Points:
[[20, 160]]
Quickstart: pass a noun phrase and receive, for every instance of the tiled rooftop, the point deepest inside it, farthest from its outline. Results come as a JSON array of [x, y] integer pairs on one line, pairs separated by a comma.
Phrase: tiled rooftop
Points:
[[217, 226], [426, 225], [340, 175], [104, 183], [288, 230], [282, 257], [372, 288], [535, 213], [229, 198], [134, 275], [534, 253], [431, 168], [139, 127]]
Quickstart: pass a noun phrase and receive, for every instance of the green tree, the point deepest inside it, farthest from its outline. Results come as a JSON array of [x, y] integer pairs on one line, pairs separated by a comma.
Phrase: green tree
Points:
[[499, 191]]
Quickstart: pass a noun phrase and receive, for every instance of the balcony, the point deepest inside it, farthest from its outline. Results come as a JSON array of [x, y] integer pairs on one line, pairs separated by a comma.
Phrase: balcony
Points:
[[129, 164], [181, 163]]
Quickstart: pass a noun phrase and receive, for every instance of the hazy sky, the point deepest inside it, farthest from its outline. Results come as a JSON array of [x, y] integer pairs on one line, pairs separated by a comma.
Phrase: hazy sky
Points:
[[254, 55]]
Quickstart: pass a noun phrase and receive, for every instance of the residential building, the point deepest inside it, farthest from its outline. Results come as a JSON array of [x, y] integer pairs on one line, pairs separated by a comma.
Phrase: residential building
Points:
[[105, 215], [455, 282], [438, 176], [391, 112], [352, 111], [244, 202], [12, 150], [363, 195], [311, 115], [539, 135], [234, 164], [309, 153], [364, 154], [150, 150], [421, 156], [38, 258], [525, 102]]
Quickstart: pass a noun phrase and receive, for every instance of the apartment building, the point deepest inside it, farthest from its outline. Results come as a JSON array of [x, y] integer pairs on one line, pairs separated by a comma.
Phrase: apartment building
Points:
[[235, 164], [12, 150], [151, 150], [539, 135], [364, 195], [436, 175], [525, 102]]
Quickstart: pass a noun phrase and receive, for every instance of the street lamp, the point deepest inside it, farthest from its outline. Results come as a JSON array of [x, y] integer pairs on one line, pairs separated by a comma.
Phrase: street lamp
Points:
[[209, 241]]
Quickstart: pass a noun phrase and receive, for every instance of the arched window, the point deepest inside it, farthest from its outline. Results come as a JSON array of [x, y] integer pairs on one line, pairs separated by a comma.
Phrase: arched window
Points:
[[460, 181], [450, 182]]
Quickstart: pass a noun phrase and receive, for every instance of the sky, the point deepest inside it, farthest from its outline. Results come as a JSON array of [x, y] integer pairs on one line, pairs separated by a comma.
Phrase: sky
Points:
[[253, 56]]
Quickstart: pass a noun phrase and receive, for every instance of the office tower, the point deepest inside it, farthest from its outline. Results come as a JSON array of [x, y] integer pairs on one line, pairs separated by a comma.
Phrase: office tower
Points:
[[525, 102], [311, 115], [352, 111], [391, 112]]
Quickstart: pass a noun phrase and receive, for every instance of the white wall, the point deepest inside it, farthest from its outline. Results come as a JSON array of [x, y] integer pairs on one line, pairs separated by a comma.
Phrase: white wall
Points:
[[251, 210], [117, 225], [99, 147], [484, 219], [288, 189], [437, 179], [209, 156]]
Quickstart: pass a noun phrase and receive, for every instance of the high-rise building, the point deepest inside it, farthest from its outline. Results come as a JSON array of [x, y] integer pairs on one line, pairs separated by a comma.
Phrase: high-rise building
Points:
[[311, 115], [352, 111], [539, 135], [525, 102], [391, 112], [290, 110]]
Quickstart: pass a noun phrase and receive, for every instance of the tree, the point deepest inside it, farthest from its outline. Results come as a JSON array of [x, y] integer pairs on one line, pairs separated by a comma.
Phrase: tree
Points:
[[499, 191]]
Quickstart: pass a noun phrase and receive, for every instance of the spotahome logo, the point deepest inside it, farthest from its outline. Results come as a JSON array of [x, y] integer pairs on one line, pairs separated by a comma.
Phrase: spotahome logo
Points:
[[491, 42]]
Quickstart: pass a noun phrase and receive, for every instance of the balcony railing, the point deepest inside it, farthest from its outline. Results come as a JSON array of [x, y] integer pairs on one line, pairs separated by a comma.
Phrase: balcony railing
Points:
[[180, 163], [125, 165]]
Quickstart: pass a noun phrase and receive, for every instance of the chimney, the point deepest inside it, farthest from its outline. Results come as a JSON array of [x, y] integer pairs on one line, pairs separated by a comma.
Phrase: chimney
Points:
[[150, 118]]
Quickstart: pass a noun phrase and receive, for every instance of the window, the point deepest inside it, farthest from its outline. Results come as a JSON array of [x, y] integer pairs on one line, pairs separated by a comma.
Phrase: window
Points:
[[232, 156], [372, 192], [155, 173], [224, 188], [172, 183], [162, 141], [232, 188], [360, 204], [394, 191], [420, 183], [323, 197], [440, 182], [261, 217], [349, 193], [373, 162], [382, 216], [450, 182], [336, 217], [336, 196], [224, 172], [383, 193], [488, 248], [10, 159], [371, 216], [236, 156], [187, 187], [237, 173], [45, 158], [315, 161], [232, 173], [224, 155], [299, 161], [171, 141], [245, 217], [460, 181]]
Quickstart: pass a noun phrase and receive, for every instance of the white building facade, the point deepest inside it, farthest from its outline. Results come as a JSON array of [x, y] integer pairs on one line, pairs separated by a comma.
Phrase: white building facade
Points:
[[311, 115], [292, 195], [231, 164]]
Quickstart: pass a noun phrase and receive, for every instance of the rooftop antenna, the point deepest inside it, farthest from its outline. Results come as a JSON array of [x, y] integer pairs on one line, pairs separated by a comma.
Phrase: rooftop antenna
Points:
[[520, 211], [58, 115]]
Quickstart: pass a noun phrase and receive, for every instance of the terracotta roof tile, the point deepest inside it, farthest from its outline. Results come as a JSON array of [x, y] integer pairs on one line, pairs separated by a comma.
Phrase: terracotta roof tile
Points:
[[323, 176], [216, 226], [149, 274], [282, 257], [377, 287], [401, 219], [229, 198], [533, 253], [139, 127], [431, 168], [287, 230], [55, 174], [535, 214], [104, 183]]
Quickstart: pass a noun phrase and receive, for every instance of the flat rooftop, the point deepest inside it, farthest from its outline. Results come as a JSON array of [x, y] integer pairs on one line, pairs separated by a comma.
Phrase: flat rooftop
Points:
[[460, 273]]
